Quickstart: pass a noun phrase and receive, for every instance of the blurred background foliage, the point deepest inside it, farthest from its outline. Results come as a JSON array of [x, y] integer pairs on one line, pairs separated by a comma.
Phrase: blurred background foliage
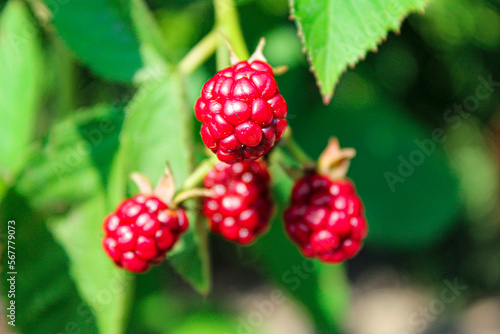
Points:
[[439, 222]]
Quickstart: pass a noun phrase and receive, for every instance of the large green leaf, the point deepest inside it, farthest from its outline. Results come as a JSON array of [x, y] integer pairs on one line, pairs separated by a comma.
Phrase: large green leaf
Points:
[[106, 288], [78, 155], [65, 182], [337, 34], [101, 35], [46, 298], [20, 87], [307, 280], [158, 128]]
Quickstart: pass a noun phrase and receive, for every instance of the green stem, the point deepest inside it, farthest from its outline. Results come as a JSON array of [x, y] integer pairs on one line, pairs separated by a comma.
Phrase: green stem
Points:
[[222, 56], [295, 150], [228, 23], [199, 173], [199, 53]]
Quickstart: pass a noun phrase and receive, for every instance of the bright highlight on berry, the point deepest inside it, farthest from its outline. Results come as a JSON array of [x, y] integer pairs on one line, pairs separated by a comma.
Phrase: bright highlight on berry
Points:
[[241, 205], [242, 110]]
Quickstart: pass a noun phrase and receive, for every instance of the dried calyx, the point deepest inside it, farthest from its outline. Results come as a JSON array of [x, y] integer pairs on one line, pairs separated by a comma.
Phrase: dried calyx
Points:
[[334, 162], [166, 189]]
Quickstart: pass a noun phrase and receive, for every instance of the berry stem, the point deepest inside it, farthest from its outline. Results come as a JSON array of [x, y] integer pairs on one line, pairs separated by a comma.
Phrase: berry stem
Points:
[[228, 23], [199, 173], [199, 53], [295, 150]]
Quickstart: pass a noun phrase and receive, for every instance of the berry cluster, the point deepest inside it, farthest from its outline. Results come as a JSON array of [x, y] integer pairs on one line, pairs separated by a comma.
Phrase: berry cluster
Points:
[[243, 115], [325, 218], [241, 204], [242, 111], [140, 232]]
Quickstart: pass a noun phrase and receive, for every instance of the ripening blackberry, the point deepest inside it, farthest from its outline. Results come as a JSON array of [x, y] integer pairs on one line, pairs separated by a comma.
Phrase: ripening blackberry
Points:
[[242, 111], [241, 205]]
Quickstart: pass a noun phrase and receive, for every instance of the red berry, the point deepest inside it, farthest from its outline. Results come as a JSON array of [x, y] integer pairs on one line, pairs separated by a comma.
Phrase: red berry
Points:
[[241, 205], [326, 218], [242, 111], [140, 232]]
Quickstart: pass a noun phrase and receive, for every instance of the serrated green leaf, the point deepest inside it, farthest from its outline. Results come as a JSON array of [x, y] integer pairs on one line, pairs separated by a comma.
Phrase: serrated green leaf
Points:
[[106, 288], [43, 284], [158, 128], [337, 34], [101, 35], [20, 87]]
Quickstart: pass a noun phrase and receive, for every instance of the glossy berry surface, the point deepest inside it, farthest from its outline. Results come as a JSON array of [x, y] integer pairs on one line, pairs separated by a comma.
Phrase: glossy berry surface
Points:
[[241, 205], [326, 218], [140, 232], [242, 111]]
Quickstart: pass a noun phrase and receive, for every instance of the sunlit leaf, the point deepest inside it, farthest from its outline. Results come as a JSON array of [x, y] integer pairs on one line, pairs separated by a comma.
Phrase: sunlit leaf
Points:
[[106, 288], [20, 87], [101, 35], [337, 34]]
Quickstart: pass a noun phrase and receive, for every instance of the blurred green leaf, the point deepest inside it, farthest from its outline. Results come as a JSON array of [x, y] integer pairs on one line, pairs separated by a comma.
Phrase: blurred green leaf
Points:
[[20, 88], [101, 35], [274, 7], [3, 188], [451, 25], [145, 25], [158, 127], [160, 312], [106, 288], [477, 169], [338, 34], [334, 293], [46, 298], [183, 28], [207, 323], [295, 273], [191, 256], [279, 39], [78, 155], [408, 206]]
